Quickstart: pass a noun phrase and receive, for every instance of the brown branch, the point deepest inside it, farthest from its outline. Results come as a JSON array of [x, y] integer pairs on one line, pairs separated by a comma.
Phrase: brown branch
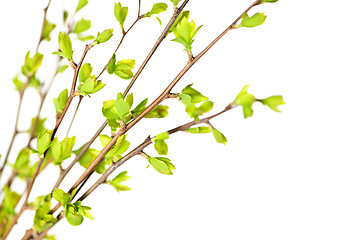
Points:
[[137, 74], [157, 101]]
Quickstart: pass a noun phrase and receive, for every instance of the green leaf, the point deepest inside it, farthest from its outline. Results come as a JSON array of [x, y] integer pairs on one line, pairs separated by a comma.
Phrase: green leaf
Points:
[[219, 137], [19, 85], [122, 108], [61, 101], [161, 147], [159, 111], [245, 100], [183, 14], [91, 86], [65, 46], [62, 197], [130, 99], [82, 25], [156, 9], [34, 83], [85, 38], [85, 72], [199, 130], [81, 4], [39, 126], [48, 27], [72, 215], [273, 102], [196, 96], [185, 32], [32, 64], [139, 108], [123, 68], [62, 151], [268, 1], [111, 65], [104, 36], [119, 148], [120, 14], [162, 165], [62, 68], [22, 159], [83, 210], [161, 136], [175, 2], [116, 182], [253, 21], [42, 219], [43, 141]]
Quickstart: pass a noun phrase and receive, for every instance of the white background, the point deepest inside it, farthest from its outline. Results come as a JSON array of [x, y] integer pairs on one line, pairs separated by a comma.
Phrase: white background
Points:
[[293, 175]]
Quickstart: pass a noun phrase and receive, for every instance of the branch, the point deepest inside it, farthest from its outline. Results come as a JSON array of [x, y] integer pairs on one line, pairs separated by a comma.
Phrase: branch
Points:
[[137, 74]]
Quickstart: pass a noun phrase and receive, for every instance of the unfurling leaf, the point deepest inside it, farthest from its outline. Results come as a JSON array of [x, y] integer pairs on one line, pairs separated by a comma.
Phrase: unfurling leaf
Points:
[[31, 64], [104, 36], [72, 215], [82, 25], [62, 150], [65, 46], [62, 197], [111, 65], [123, 68], [156, 9], [273, 102], [91, 86], [199, 130], [116, 182], [245, 100], [162, 165], [219, 137], [161, 147], [159, 111], [81, 4], [253, 21], [85, 72], [120, 14], [43, 141], [48, 27], [61, 101], [185, 32], [175, 2]]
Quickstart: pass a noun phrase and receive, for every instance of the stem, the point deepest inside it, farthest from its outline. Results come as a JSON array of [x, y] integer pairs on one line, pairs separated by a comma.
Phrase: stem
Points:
[[73, 118], [137, 74], [157, 101]]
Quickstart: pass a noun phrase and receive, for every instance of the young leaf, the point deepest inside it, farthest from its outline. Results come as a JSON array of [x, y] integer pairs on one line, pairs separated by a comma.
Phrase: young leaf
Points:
[[122, 108], [116, 182], [111, 65], [61, 101], [62, 197], [85, 72], [161, 147], [43, 141], [185, 32], [156, 9], [175, 2], [183, 14], [139, 108], [161, 136], [72, 215], [62, 68], [253, 21], [83, 210], [159, 111], [273, 102], [162, 165], [120, 14], [39, 126], [32, 64], [81, 4], [18, 84], [219, 137], [245, 100], [65, 46], [268, 1], [62, 151], [48, 27], [123, 68], [82, 25], [104, 36], [199, 130]]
